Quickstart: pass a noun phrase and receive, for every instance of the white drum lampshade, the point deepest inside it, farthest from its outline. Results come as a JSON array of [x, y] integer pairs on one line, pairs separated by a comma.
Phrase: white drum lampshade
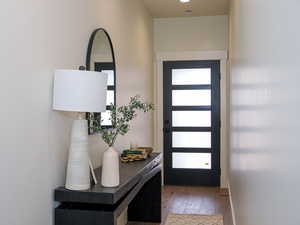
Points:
[[79, 91]]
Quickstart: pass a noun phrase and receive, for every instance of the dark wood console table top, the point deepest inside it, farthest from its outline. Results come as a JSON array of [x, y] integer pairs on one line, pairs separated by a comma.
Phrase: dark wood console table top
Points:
[[139, 182]]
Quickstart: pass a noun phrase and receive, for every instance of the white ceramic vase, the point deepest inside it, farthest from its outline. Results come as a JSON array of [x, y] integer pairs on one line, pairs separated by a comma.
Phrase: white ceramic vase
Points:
[[110, 168]]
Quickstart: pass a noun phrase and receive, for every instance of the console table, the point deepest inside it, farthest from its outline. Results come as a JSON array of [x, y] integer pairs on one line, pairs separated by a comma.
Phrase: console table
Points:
[[139, 190]]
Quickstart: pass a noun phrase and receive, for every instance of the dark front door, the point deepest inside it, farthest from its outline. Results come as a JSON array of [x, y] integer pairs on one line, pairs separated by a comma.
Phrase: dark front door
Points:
[[192, 122]]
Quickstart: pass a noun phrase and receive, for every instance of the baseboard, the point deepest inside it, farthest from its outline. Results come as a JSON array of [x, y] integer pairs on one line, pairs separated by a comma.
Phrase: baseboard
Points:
[[231, 206], [224, 192]]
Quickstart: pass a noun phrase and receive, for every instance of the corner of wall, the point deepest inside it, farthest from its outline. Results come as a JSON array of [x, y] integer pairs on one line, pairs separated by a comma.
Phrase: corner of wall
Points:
[[231, 204]]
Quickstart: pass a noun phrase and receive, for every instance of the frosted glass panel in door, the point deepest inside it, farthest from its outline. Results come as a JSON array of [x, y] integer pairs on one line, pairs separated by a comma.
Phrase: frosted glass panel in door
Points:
[[105, 117], [191, 139], [191, 118], [191, 76], [191, 97], [110, 98], [191, 160], [110, 79]]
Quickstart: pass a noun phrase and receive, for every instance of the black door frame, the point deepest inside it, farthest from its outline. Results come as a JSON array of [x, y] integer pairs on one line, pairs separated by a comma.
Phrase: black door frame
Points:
[[205, 177]]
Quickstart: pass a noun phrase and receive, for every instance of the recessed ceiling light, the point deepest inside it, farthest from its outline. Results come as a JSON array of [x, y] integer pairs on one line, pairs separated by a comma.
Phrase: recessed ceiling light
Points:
[[185, 1]]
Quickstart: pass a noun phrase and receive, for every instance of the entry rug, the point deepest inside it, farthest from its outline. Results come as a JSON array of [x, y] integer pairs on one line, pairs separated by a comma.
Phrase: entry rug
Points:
[[191, 219]]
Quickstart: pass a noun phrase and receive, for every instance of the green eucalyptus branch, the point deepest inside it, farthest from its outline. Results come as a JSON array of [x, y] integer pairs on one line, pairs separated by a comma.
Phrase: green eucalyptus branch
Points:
[[120, 118]]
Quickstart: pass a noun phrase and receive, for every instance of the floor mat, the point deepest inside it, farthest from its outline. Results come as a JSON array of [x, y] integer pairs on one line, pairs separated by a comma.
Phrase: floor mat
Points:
[[191, 219]]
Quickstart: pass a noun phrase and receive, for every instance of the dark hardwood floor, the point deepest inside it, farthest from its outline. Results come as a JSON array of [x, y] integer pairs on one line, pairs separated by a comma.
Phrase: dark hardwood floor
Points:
[[194, 200]]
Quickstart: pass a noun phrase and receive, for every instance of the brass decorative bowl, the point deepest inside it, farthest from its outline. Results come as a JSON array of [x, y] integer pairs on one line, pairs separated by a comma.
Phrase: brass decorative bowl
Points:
[[149, 150], [137, 154]]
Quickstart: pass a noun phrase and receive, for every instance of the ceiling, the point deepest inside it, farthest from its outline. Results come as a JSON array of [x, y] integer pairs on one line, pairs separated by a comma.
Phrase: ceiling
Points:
[[174, 8]]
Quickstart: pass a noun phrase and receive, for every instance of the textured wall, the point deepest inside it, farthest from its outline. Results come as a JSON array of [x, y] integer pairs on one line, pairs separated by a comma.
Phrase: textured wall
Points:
[[265, 78]]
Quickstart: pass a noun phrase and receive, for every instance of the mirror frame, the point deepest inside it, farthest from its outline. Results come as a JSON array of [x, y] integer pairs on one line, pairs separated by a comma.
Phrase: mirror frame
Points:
[[88, 66], [90, 47]]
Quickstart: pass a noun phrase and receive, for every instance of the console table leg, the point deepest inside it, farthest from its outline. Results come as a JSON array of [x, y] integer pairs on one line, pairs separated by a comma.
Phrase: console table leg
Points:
[[146, 206]]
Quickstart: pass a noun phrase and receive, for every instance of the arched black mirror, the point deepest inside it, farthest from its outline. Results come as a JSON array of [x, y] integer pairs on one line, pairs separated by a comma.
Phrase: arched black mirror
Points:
[[100, 57]]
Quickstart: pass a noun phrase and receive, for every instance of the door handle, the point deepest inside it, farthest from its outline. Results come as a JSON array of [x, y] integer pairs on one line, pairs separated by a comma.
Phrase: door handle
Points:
[[167, 126]]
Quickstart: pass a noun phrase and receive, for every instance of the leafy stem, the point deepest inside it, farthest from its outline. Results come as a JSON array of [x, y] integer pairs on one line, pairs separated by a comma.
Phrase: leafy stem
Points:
[[120, 118]]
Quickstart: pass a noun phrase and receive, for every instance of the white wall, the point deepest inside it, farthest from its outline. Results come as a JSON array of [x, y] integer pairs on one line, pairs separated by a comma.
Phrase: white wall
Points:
[[38, 36], [265, 110], [192, 38], [131, 29], [191, 34]]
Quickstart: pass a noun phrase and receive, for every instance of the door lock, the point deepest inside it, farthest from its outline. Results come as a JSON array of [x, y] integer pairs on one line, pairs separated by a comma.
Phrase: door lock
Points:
[[167, 126]]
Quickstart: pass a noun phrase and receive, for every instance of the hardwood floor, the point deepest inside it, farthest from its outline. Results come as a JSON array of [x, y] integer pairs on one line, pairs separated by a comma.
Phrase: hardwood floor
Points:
[[194, 200]]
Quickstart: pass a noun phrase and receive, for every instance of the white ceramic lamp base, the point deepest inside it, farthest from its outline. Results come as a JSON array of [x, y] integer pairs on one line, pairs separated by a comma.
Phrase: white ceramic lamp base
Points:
[[110, 168], [78, 170]]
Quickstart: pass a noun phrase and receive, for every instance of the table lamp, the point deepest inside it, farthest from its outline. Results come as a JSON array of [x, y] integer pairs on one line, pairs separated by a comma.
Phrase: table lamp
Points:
[[79, 91]]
